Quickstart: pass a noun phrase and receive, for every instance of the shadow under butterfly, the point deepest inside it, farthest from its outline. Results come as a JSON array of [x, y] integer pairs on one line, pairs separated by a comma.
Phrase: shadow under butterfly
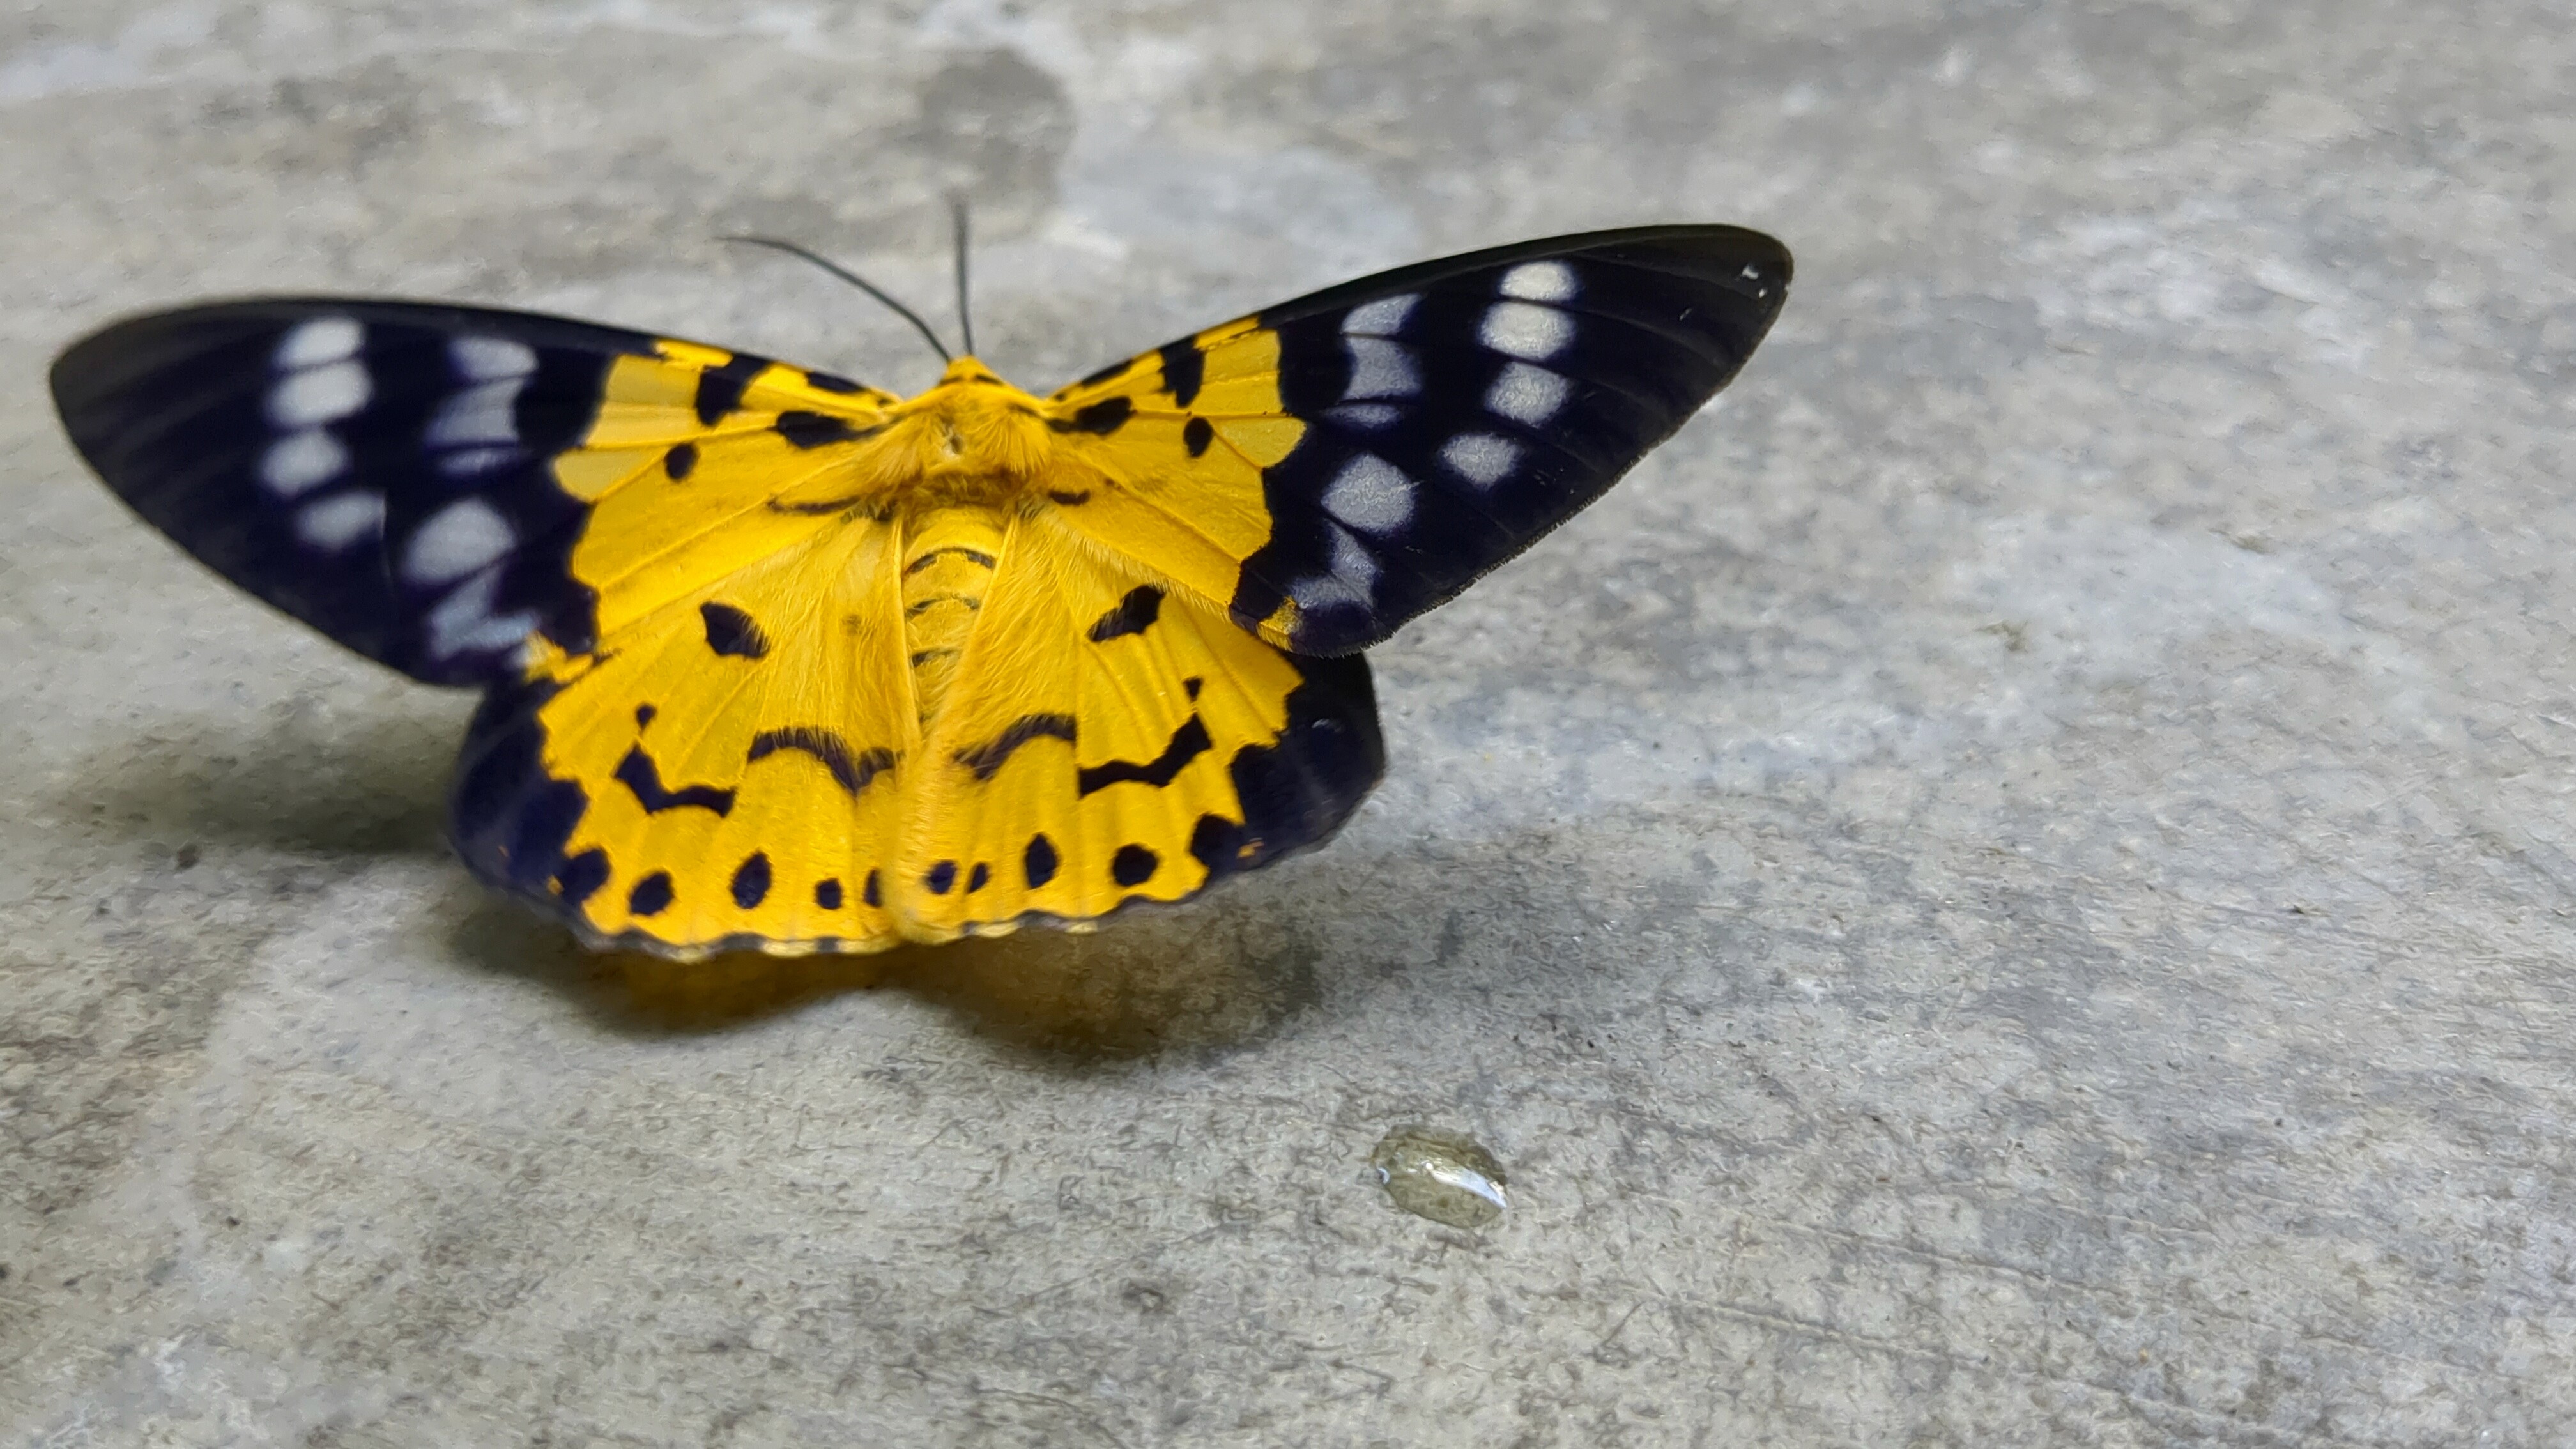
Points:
[[776, 661]]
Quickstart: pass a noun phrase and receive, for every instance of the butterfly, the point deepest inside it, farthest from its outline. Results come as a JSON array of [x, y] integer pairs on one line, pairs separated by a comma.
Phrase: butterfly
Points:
[[775, 660]]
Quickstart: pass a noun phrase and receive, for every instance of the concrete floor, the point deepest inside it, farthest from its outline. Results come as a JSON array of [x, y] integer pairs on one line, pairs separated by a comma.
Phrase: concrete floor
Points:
[[2012, 886]]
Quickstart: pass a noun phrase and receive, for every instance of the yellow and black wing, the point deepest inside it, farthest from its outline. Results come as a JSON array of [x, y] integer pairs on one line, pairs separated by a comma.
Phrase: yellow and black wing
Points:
[[725, 773], [695, 657], [413, 479], [1330, 467], [1107, 739]]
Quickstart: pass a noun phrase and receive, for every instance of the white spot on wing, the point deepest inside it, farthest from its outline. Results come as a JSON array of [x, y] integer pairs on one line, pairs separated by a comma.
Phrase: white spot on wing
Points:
[[475, 462], [1366, 417], [1540, 282], [1481, 458], [490, 359], [300, 462], [319, 394], [341, 523], [324, 339], [1381, 318], [1348, 578], [1527, 395], [1525, 329], [1352, 563], [464, 619], [501, 631], [457, 540], [1324, 591], [480, 414], [1351, 573], [1370, 493], [1380, 369]]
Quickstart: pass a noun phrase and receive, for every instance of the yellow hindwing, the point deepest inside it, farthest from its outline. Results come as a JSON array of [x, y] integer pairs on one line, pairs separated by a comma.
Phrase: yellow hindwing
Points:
[[1084, 757]]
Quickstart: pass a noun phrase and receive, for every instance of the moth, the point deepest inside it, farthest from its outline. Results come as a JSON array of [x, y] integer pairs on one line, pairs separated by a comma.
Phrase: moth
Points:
[[775, 660]]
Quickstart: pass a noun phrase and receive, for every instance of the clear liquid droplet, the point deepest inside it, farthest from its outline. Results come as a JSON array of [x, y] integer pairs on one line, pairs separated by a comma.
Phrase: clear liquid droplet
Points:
[[1444, 1176]]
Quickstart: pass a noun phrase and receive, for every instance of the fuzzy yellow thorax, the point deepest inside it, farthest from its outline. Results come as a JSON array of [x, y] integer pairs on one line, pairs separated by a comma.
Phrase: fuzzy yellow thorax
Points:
[[970, 439]]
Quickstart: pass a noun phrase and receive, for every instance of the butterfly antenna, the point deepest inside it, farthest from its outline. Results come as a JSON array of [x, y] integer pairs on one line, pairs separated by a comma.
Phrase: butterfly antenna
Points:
[[855, 280], [965, 319]]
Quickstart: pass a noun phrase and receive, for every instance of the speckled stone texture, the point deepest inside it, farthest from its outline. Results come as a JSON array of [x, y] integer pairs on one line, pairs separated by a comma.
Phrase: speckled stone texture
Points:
[[2012, 886]]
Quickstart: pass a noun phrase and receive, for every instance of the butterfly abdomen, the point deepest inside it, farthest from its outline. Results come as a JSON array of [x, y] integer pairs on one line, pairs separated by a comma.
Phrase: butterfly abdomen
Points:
[[949, 555]]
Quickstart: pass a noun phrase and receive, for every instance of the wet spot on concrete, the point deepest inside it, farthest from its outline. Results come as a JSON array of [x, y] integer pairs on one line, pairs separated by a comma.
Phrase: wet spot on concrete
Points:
[[1447, 1177]]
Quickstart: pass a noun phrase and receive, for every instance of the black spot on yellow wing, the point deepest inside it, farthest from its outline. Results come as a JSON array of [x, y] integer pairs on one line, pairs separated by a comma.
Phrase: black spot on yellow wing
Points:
[[638, 773], [988, 758], [1187, 744], [1069, 499], [1133, 865], [732, 632], [813, 430], [1039, 861], [940, 877], [850, 770], [1184, 371], [1219, 840], [873, 892], [651, 896], [751, 880], [819, 507], [643, 716], [827, 894], [1134, 614], [1104, 417], [1196, 434], [831, 382], [581, 875], [977, 878], [974, 556], [720, 388], [678, 463], [1194, 684]]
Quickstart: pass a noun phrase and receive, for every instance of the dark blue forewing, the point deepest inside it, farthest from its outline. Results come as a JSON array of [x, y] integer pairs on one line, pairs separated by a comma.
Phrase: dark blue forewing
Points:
[[379, 470], [1459, 409]]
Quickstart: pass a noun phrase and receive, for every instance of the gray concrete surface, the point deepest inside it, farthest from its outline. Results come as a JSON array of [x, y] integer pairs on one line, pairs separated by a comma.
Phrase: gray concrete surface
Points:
[[2011, 887]]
